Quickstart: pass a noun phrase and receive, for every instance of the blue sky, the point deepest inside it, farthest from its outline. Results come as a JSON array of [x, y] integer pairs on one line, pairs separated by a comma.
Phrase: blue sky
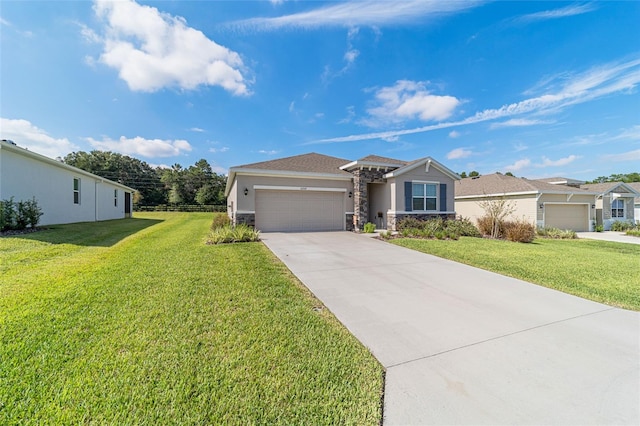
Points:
[[536, 88]]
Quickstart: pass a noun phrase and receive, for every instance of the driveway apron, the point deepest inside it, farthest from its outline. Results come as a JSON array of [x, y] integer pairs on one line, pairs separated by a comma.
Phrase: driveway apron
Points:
[[465, 346]]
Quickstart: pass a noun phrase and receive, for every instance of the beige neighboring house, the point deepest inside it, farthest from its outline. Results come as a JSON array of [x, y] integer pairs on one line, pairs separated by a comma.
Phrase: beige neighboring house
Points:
[[615, 202], [541, 203], [315, 192]]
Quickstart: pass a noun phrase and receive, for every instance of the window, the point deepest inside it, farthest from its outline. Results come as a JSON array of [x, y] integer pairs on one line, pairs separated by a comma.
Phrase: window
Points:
[[76, 191], [617, 208], [425, 196], [115, 198]]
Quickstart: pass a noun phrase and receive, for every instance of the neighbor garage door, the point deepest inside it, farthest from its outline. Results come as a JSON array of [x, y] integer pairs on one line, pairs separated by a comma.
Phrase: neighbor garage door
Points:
[[567, 216], [299, 210]]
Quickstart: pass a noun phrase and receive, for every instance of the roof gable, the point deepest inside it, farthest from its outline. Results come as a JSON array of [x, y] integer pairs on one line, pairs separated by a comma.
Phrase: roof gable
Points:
[[427, 162], [606, 187]]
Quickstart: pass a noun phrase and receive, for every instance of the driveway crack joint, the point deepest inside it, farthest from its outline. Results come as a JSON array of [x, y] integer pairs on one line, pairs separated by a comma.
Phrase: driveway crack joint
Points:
[[497, 338]]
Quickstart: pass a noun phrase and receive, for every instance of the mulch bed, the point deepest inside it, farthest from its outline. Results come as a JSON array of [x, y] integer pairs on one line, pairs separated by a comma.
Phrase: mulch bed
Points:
[[12, 232]]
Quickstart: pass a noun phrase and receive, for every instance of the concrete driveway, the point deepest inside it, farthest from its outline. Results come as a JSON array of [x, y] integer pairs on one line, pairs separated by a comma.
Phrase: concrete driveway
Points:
[[466, 346], [616, 237]]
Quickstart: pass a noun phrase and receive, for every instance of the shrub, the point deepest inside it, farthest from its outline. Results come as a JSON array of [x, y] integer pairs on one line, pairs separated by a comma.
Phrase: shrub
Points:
[[463, 227], [487, 227], [495, 212], [599, 228], [410, 222], [620, 226], [220, 220], [233, 234], [555, 233], [369, 227], [8, 215], [634, 232], [519, 231]]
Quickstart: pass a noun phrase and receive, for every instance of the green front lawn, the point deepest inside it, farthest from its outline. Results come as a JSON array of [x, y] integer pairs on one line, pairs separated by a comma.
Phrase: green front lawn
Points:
[[597, 270], [137, 321]]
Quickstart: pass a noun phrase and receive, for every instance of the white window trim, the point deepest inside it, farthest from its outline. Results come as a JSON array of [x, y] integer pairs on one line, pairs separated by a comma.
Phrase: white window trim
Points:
[[620, 200], [437, 196]]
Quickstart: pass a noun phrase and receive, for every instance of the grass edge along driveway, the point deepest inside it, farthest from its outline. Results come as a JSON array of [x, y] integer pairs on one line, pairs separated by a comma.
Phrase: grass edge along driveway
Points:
[[601, 271], [148, 325]]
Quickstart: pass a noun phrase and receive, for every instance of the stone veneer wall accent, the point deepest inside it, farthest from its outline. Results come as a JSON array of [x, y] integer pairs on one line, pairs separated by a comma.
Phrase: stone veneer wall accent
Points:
[[361, 196], [246, 218], [393, 219], [348, 221]]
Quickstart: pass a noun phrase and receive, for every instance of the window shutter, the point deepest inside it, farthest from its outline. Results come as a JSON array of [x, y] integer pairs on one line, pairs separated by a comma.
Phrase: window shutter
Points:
[[443, 197], [408, 202]]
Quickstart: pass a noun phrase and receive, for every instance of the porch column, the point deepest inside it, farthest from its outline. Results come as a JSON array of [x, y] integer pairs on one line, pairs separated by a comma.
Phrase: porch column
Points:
[[360, 200]]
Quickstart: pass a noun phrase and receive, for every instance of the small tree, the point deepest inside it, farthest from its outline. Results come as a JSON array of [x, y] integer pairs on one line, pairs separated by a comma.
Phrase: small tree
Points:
[[495, 211]]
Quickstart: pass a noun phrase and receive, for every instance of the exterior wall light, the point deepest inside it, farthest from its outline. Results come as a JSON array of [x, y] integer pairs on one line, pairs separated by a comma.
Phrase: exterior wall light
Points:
[[350, 194], [593, 206], [246, 192], [541, 205]]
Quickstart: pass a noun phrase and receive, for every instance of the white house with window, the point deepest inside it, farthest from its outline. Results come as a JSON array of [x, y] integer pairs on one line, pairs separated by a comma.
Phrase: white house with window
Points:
[[64, 193], [615, 202]]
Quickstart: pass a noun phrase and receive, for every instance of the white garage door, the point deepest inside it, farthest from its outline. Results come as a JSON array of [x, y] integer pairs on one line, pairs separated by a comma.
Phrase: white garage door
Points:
[[297, 211], [567, 216]]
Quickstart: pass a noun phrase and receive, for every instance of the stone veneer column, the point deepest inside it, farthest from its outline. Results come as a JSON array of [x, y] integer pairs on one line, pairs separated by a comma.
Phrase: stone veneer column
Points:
[[360, 199]]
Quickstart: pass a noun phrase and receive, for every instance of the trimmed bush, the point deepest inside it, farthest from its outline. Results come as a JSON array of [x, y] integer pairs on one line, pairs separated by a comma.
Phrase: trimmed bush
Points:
[[519, 231], [220, 220], [233, 234], [463, 227], [634, 232], [555, 233], [20, 215], [620, 226], [369, 228], [437, 228]]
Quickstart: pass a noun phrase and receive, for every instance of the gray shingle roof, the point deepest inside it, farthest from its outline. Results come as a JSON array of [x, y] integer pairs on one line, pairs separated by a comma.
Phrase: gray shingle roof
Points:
[[382, 160], [503, 184], [310, 163], [600, 187]]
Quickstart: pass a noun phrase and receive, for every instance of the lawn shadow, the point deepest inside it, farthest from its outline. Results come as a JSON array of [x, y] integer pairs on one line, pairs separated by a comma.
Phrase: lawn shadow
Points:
[[99, 234]]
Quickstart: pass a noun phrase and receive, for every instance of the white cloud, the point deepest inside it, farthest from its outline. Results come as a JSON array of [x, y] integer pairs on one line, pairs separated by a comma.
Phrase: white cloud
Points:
[[453, 134], [5, 22], [391, 139], [556, 163], [153, 50], [520, 147], [26, 135], [219, 150], [292, 106], [351, 113], [358, 13], [459, 153], [518, 165], [196, 129], [151, 148], [409, 100], [625, 156], [268, 152], [518, 122], [595, 83], [572, 10]]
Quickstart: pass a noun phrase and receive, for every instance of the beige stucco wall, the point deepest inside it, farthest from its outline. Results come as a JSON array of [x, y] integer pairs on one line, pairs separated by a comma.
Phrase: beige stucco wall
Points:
[[419, 174], [524, 207], [246, 203], [379, 200]]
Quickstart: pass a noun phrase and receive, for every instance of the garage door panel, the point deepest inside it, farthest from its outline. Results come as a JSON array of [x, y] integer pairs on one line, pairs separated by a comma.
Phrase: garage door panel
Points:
[[299, 210], [567, 216]]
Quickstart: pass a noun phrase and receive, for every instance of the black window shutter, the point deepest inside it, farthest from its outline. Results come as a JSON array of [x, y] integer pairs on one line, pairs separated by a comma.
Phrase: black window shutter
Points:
[[408, 201], [443, 197]]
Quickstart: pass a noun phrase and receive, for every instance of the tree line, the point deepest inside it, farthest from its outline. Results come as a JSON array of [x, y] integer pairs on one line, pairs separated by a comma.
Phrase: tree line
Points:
[[196, 184]]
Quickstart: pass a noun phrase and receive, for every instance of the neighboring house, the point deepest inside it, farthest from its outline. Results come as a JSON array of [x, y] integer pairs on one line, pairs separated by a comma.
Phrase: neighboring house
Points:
[[636, 201], [64, 193], [615, 202], [562, 181], [315, 192], [541, 203]]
